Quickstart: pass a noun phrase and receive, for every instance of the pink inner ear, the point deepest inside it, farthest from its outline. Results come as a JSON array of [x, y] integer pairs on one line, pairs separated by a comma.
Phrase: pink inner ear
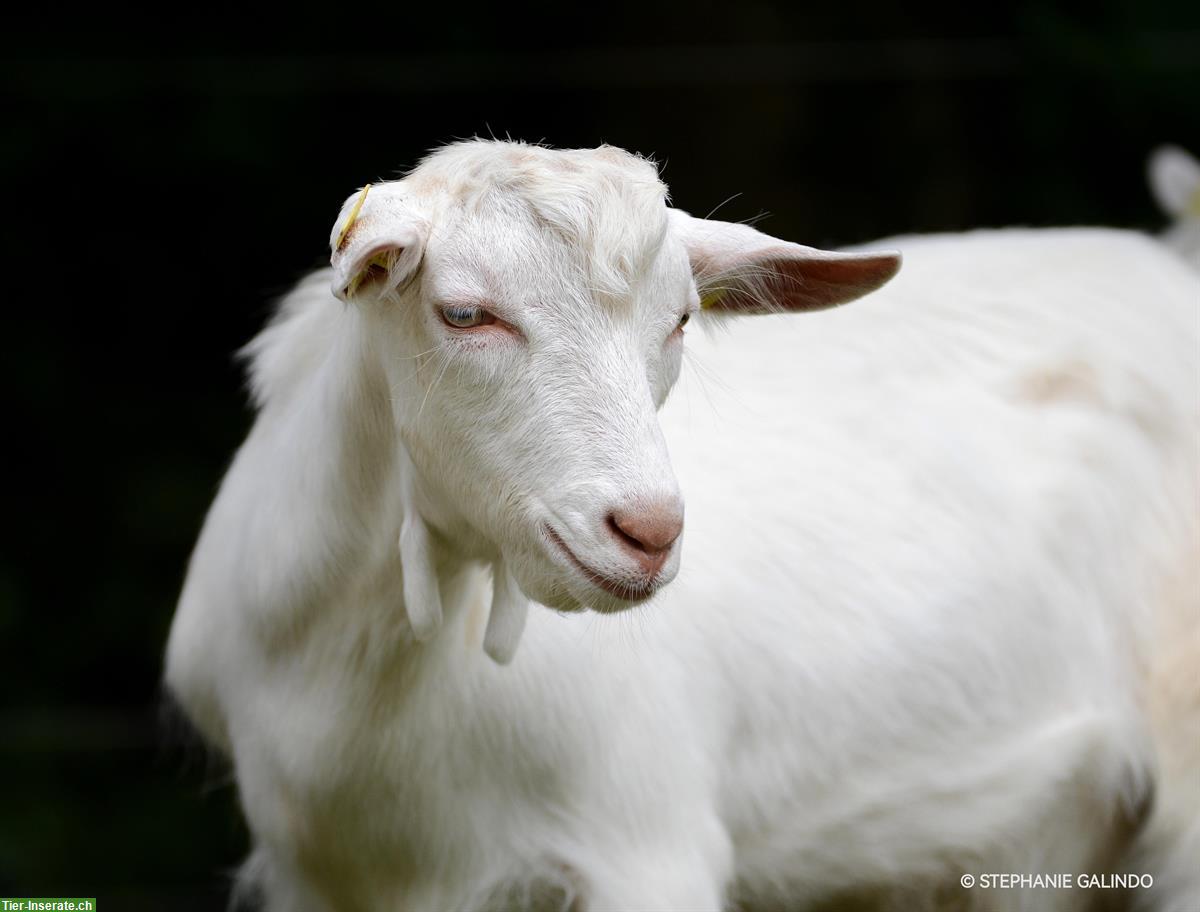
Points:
[[815, 280], [379, 264]]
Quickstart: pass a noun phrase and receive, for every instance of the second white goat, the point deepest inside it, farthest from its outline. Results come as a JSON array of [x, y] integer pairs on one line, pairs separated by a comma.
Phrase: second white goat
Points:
[[1174, 177]]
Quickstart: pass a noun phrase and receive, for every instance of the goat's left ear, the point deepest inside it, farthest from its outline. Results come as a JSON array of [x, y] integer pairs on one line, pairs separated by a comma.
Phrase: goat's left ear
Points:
[[377, 242], [741, 270]]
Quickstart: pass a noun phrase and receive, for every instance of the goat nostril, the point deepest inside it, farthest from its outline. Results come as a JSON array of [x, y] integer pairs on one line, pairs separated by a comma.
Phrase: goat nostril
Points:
[[614, 526], [651, 532]]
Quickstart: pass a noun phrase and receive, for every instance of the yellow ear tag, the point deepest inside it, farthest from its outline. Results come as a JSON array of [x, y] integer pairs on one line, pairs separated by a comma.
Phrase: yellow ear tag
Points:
[[352, 218], [712, 299]]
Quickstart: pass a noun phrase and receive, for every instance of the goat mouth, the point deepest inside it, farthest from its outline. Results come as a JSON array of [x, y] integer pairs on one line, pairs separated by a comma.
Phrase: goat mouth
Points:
[[626, 591]]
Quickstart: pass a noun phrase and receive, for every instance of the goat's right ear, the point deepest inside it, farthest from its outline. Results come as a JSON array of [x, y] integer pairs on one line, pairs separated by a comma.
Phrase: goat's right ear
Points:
[[738, 269], [377, 243]]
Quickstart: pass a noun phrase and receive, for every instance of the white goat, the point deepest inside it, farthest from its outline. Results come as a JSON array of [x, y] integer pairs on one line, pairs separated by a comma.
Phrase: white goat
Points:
[[931, 544], [1174, 178]]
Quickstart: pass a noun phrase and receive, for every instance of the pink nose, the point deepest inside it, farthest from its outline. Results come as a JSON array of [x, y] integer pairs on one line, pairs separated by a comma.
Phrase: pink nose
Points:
[[647, 534]]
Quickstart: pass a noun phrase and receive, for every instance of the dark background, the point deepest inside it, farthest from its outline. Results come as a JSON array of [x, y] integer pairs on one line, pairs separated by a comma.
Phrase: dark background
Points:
[[162, 188]]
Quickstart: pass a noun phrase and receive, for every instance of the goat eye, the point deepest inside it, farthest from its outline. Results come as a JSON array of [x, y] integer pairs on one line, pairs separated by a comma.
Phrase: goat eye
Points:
[[683, 320], [465, 316]]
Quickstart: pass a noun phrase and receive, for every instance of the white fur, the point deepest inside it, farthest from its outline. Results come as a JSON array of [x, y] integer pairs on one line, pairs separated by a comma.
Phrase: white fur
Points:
[[915, 615]]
